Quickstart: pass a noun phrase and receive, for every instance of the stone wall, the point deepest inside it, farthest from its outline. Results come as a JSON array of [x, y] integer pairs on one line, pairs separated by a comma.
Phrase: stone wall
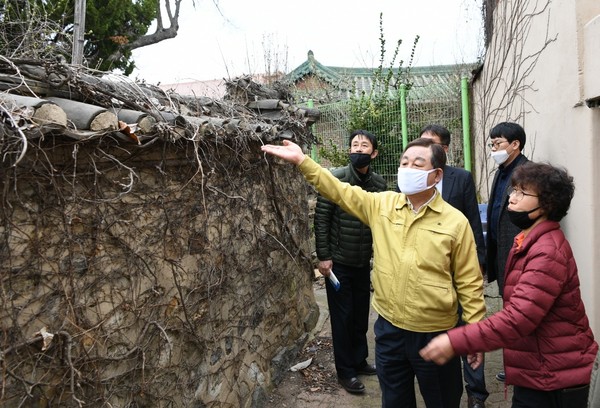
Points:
[[176, 276]]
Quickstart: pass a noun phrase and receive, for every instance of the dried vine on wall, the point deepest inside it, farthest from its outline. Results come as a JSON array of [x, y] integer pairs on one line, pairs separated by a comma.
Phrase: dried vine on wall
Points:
[[143, 275], [505, 80]]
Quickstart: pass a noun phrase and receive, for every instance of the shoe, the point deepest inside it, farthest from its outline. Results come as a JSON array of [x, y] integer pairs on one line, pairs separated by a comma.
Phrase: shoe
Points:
[[352, 385], [473, 402], [366, 369], [501, 376]]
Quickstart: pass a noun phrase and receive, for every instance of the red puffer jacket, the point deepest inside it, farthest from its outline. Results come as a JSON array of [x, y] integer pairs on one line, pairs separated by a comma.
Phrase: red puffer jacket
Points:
[[543, 328]]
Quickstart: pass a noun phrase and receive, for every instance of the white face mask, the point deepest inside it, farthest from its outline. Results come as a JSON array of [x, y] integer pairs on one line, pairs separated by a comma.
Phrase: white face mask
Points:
[[413, 181], [500, 156]]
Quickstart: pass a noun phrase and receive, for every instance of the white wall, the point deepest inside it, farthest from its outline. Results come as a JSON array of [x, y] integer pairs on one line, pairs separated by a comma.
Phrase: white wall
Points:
[[561, 128]]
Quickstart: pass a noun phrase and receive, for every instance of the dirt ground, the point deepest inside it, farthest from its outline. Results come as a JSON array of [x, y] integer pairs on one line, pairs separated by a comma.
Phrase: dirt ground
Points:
[[319, 377], [316, 386]]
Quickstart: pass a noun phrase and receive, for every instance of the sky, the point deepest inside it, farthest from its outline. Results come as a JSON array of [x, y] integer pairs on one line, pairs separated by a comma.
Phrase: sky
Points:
[[238, 37]]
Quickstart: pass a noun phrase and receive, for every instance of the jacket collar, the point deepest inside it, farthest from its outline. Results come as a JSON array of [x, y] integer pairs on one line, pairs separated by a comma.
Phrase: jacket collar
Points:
[[447, 181], [513, 164], [436, 204], [534, 235], [360, 176]]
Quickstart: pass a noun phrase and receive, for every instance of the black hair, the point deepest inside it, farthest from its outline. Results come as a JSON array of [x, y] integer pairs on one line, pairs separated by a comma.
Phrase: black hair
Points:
[[439, 131], [372, 138], [553, 185], [510, 131], [438, 155]]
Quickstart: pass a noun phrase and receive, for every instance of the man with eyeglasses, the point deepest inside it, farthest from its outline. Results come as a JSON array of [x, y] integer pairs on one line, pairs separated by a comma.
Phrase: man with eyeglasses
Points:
[[507, 143]]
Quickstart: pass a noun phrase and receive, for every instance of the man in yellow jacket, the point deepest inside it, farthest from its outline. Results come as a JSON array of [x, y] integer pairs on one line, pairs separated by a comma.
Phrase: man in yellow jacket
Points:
[[424, 264]]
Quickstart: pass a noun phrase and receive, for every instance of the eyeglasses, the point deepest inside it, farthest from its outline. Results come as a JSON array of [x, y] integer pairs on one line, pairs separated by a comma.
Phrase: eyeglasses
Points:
[[495, 145], [519, 194]]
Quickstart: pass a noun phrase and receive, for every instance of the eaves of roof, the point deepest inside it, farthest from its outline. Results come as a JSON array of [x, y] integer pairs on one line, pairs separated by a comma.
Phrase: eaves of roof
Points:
[[38, 99], [313, 67], [425, 82], [462, 69]]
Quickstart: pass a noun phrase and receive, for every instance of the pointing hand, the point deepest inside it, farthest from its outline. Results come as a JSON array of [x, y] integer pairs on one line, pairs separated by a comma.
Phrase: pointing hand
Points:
[[289, 152]]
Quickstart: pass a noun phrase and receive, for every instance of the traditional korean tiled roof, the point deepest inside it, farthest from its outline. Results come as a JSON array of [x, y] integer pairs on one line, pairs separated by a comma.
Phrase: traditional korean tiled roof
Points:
[[313, 67], [424, 82]]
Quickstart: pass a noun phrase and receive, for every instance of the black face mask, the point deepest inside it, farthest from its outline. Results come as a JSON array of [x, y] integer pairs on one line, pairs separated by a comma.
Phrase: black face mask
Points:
[[521, 218], [360, 160]]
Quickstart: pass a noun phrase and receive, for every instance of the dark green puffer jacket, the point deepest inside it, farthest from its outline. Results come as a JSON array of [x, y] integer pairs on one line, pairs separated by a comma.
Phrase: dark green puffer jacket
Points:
[[338, 235]]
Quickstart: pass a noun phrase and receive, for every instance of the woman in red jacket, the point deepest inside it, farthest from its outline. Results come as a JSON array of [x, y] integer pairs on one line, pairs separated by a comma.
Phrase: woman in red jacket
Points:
[[549, 348]]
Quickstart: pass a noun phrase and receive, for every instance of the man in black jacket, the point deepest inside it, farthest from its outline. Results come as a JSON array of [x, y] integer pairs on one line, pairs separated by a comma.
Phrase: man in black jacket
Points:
[[344, 246], [507, 142], [458, 190]]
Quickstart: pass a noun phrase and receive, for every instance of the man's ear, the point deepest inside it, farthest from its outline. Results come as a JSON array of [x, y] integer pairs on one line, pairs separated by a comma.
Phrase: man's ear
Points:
[[374, 154], [438, 175]]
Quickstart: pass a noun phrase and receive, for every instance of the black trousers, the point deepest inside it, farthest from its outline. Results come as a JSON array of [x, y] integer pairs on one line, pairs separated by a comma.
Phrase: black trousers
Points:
[[349, 317], [398, 363], [575, 397], [474, 379]]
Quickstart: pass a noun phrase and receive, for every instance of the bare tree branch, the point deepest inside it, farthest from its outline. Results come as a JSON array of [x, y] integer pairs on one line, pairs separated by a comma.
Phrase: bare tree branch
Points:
[[505, 80]]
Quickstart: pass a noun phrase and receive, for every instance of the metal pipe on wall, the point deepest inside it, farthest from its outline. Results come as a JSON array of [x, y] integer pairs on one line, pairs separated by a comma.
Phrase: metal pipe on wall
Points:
[[404, 116], [466, 121]]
